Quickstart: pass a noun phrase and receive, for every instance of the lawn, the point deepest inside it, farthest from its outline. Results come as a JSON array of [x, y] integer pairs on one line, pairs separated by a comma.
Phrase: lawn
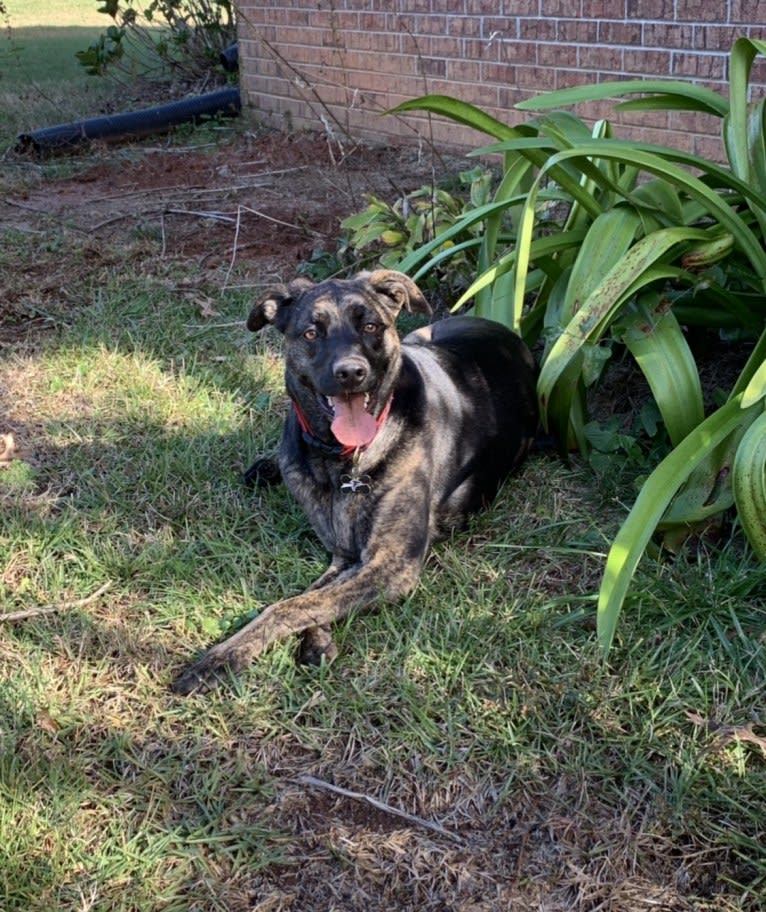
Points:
[[469, 751], [41, 81]]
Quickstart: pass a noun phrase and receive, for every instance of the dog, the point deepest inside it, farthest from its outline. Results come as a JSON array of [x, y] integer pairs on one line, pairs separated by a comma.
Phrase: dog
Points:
[[389, 445]]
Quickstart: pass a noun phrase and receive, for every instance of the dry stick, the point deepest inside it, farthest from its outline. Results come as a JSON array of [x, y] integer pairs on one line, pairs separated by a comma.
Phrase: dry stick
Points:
[[215, 216], [380, 805], [52, 609], [233, 248], [270, 218]]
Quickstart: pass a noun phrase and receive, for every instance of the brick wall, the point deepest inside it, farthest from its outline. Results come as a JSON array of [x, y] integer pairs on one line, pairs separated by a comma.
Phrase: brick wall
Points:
[[337, 64]]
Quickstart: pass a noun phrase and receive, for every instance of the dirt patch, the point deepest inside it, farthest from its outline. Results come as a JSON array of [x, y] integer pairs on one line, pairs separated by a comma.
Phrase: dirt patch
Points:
[[259, 203]]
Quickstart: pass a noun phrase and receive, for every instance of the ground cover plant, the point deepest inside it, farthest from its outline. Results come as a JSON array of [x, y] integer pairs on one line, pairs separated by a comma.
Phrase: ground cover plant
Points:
[[470, 751]]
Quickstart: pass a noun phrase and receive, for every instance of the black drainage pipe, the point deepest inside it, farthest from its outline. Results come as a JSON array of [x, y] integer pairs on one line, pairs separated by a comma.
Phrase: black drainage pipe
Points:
[[225, 102], [229, 58]]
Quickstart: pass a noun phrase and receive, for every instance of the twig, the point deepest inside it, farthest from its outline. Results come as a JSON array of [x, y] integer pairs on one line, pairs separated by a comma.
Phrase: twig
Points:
[[215, 216], [25, 207], [270, 218], [380, 805], [233, 248], [52, 609]]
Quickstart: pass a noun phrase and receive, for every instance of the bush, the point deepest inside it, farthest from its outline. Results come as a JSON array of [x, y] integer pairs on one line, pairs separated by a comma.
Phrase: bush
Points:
[[162, 39], [652, 241]]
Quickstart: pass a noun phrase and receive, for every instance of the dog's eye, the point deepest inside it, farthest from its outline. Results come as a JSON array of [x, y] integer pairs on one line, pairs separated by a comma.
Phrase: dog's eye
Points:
[[370, 328], [310, 334]]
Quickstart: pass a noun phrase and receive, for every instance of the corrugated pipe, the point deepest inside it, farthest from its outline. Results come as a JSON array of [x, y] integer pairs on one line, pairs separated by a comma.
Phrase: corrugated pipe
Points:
[[225, 102]]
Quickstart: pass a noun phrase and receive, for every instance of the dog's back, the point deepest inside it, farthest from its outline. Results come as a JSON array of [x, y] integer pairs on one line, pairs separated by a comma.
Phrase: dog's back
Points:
[[479, 402]]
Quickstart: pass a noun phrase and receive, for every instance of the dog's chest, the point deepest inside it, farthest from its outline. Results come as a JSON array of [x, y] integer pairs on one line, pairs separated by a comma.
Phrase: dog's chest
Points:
[[339, 504]]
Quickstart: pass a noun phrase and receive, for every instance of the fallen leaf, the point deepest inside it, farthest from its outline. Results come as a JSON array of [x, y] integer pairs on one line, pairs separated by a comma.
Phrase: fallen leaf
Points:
[[206, 307], [725, 734], [8, 448], [45, 721]]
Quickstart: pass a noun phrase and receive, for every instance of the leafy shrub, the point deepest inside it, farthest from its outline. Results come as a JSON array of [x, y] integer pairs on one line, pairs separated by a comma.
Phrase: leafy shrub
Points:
[[652, 241], [384, 233], [157, 39]]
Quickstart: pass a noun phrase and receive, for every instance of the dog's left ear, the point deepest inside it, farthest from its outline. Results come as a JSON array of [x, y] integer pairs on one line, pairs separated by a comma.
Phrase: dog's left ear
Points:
[[399, 289], [276, 305]]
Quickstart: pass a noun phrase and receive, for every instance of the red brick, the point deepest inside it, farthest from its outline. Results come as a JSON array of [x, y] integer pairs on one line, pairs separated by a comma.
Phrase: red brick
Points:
[[556, 9], [701, 66], [749, 12], [709, 147], [565, 79], [537, 29], [758, 72], [653, 64], [557, 55], [668, 36], [601, 58], [697, 11], [464, 26], [650, 9], [511, 7], [537, 78], [504, 27], [432, 66], [578, 30], [479, 49], [448, 6], [381, 42], [715, 37], [372, 21], [498, 73], [600, 9], [508, 97], [464, 71], [526, 7]]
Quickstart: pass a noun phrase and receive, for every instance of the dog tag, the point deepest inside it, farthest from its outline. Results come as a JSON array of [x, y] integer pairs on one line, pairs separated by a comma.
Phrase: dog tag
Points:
[[356, 484]]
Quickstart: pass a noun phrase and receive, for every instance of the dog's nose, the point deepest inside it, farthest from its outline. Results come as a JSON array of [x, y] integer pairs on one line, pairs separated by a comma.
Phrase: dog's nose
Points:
[[351, 372]]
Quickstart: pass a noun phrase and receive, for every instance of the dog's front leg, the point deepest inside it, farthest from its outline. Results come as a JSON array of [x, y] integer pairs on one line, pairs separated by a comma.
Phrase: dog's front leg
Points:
[[389, 574]]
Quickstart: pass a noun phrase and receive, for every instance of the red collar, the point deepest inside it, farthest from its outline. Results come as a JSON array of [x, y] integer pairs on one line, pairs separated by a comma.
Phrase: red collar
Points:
[[340, 450]]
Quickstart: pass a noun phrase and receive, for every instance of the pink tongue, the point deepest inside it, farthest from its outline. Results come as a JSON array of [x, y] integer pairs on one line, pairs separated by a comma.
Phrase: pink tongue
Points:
[[353, 425]]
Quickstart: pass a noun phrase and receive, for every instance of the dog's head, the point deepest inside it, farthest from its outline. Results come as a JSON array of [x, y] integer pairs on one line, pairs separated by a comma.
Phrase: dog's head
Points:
[[342, 349]]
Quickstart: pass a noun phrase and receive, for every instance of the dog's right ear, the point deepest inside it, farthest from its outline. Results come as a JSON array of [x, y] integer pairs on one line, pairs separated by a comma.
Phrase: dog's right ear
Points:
[[275, 306]]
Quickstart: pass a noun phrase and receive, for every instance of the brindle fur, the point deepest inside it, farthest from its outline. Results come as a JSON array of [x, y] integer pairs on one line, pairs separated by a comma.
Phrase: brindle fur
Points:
[[463, 416]]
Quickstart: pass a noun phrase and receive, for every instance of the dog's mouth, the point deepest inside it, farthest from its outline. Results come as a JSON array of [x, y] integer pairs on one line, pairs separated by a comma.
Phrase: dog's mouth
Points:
[[353, 423]]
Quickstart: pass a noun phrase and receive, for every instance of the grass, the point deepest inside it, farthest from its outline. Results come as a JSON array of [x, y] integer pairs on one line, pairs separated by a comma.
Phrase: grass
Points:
[[481, 704], [41, 82]]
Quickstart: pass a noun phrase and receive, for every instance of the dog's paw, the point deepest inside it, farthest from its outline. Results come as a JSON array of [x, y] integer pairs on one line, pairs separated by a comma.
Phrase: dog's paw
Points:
[[262, 473], [212, 669], [317, 646]]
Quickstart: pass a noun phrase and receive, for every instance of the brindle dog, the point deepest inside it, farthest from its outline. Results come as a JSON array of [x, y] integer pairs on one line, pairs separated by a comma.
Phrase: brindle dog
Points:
[[389, 445]]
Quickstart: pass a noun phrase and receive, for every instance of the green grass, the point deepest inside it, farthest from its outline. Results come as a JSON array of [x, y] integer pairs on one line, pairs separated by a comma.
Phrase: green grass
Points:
[[24, 13], [41, 82], [481, 703], [481, 697]]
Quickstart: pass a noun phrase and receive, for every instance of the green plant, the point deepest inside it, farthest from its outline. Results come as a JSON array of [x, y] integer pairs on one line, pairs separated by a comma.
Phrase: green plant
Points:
[[158, 38], [386, 232], [645, 248]]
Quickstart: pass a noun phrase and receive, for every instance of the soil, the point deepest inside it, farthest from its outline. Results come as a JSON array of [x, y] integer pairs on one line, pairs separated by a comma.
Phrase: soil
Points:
[[260, 203]]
